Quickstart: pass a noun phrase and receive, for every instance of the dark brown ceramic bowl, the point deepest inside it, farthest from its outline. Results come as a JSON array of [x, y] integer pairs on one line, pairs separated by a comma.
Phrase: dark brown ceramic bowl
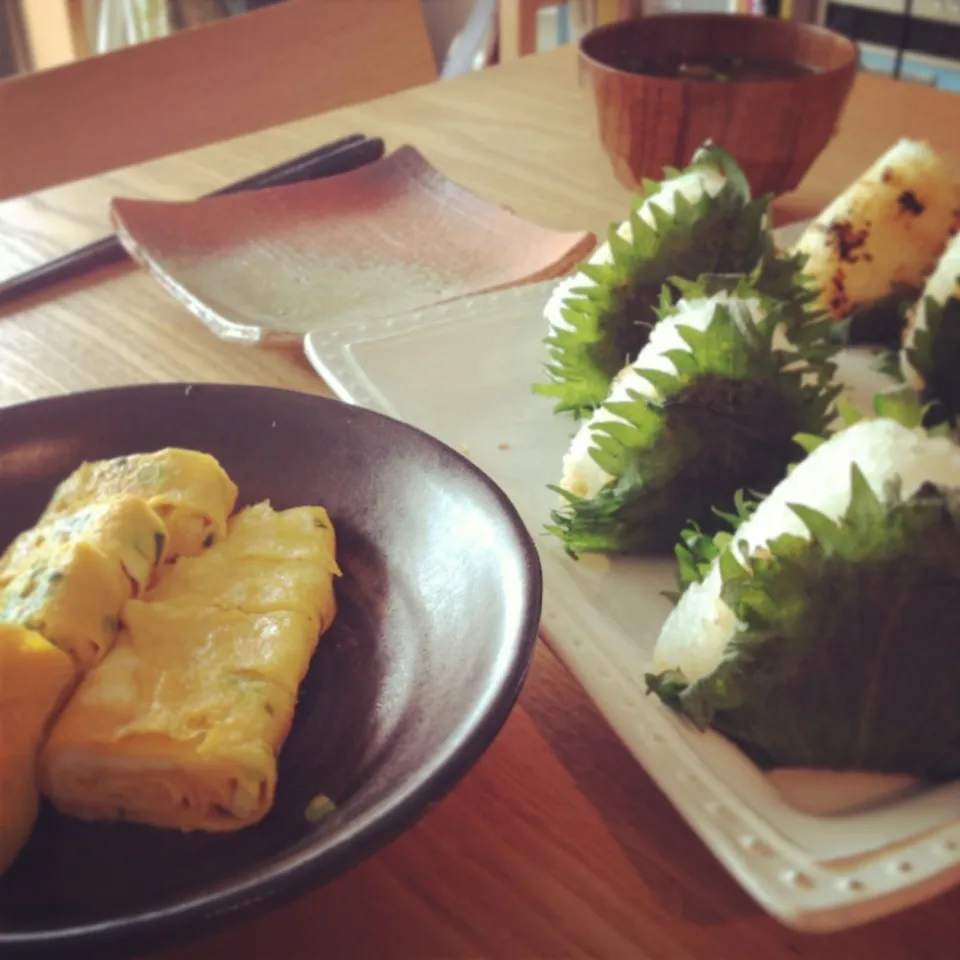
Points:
[[775, 128], [439, 608]]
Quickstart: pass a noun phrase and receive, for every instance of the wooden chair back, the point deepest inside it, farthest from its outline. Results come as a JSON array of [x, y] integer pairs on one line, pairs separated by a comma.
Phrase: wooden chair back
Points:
[[210, 83]]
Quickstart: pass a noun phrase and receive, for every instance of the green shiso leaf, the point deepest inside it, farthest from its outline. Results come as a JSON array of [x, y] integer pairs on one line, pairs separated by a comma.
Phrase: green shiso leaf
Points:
[[710, 154], [847, 412], [935, 355], [725, 423], [697, 550], [319, 808], [901, 404], [809, 442], [609, 322], [648, 187], [888, 362], [778, 279], [845, 656]]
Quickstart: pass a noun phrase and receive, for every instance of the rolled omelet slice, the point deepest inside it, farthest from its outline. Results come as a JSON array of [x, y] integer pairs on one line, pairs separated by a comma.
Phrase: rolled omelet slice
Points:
[[882, 236], [268, 562], [189, 490], [68, 577], [35, 678], [123, 527], [181, 724], [301, 533]]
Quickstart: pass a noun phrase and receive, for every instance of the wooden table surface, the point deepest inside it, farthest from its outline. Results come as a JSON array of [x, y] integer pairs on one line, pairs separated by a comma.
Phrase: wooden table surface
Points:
[[556, 844]]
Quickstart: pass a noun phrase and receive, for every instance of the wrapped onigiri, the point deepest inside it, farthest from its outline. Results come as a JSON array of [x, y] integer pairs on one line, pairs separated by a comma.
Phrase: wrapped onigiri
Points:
[[712, 404], [824, 634], [870, 250], [701, 220]]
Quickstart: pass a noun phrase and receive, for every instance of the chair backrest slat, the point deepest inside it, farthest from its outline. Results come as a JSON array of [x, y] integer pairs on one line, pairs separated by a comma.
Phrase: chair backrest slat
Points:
[[244, 73]]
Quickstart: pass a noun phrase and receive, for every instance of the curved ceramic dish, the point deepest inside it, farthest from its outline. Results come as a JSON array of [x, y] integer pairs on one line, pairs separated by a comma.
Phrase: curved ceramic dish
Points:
[[819, 851], [392, 236], [439, 607]]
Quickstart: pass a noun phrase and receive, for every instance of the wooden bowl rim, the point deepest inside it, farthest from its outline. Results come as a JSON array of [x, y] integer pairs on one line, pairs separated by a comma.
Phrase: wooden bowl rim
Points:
[[810, 28]]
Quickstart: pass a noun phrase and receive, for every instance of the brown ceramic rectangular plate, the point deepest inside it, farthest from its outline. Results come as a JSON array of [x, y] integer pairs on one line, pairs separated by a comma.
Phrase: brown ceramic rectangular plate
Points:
[[391, 237]]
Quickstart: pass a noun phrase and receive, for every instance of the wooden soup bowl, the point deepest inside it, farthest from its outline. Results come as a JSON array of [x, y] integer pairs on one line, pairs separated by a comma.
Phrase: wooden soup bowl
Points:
[[774, 127]]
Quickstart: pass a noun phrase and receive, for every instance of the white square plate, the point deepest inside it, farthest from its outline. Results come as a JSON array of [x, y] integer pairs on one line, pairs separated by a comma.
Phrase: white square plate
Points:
[[819, 851]]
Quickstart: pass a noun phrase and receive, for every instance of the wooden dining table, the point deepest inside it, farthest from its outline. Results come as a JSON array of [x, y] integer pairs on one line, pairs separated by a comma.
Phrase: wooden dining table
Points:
[[556, 844]]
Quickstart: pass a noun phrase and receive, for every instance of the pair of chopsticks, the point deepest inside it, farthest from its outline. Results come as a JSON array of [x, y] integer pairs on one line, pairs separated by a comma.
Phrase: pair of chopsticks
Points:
[[341, 156]]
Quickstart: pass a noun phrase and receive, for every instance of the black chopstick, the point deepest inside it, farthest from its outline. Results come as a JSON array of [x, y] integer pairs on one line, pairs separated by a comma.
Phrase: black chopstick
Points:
[[341, 156]]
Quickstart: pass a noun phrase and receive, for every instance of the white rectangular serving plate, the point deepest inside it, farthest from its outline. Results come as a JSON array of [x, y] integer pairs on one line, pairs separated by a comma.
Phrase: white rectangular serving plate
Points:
[[820, 851]]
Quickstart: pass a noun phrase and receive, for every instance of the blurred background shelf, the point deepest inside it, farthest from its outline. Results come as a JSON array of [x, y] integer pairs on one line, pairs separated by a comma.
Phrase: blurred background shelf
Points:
[[917, 40]]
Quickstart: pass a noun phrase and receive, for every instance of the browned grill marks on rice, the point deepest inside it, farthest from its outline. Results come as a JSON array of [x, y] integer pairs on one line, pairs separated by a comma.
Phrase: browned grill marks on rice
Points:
[[908, 203], [838, 288], [848, 240]]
